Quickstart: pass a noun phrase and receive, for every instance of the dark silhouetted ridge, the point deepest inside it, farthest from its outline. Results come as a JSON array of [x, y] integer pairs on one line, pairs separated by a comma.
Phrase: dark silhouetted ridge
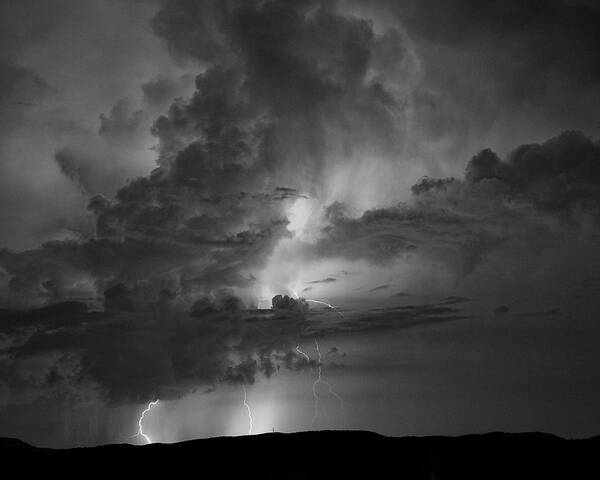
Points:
[[326, 454]]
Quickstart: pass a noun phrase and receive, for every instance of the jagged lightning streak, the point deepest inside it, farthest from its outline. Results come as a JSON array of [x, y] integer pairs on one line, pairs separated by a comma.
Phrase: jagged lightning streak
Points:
[[140, 432], [327, 384], [315, 383], [249, 411], [328, 305], [302, 353], [319, 378], [335, 394]]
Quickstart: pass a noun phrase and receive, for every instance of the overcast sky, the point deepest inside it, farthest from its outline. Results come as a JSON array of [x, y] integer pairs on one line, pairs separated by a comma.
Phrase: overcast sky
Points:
[[429, 168]]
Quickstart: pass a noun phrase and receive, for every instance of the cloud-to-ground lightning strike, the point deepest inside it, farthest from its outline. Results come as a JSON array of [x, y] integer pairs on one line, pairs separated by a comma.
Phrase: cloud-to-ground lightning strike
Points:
[[327, 384], [319, 380], [314, 387], [316, 382], [140, 432], [249, 411], [335, 394]]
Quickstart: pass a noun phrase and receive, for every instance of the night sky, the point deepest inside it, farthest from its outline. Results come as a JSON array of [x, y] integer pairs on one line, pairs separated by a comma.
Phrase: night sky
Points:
[[420, 178]]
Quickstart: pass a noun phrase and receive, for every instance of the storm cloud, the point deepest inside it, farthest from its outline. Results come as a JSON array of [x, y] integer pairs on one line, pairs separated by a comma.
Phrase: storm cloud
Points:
[[254, 147], [539, 196], [295, 86]]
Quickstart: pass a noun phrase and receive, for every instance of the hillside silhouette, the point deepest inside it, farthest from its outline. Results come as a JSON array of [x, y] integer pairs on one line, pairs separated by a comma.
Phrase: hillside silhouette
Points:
[[325, 454]]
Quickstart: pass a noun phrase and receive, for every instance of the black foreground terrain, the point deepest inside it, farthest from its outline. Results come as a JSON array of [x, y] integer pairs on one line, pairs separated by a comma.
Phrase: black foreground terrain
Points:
[[326, 454]]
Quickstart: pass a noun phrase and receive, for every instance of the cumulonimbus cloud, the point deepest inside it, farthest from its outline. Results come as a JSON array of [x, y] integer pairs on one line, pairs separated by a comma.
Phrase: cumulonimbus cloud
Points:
[[292, 94]]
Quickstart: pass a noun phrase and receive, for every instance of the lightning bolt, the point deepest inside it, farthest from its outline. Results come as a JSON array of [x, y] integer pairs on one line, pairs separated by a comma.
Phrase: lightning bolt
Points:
[[327, 384], [328, 305], [140, 432], [250, 421], [316, 382], [302, 353], [319, 380], [335, 394], [314, 387]]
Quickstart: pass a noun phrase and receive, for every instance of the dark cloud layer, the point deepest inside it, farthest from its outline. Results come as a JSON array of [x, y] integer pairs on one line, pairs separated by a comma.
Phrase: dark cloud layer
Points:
[[284, 85], [455, 221], [133, 356], [515, 33], [560, 174], [20, 87], [539, 193], [498, 73]]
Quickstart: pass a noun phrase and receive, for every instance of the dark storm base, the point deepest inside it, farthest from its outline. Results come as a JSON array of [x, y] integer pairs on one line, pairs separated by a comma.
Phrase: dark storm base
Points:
[[332, 454]]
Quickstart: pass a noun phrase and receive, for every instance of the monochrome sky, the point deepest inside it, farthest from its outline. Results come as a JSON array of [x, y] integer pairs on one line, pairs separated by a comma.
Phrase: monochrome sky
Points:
[[431, 168]]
